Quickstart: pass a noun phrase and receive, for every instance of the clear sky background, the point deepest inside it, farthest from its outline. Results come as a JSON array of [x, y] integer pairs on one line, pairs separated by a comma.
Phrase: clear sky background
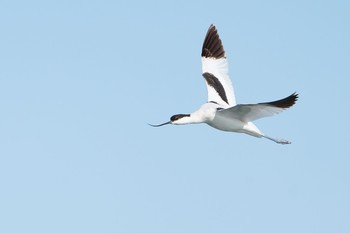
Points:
[[80, 80]]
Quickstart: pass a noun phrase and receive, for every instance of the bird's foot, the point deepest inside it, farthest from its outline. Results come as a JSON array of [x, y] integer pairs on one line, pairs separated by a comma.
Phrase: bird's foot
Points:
[[283, 142], [279, 141]]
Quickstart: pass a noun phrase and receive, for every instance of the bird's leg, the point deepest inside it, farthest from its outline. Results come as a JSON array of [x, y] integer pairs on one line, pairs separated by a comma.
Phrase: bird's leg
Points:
[[279, 141]]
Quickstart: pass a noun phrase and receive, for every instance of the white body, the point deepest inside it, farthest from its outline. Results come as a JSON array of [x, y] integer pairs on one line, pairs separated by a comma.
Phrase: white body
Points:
[[209, 114], [221, 110]]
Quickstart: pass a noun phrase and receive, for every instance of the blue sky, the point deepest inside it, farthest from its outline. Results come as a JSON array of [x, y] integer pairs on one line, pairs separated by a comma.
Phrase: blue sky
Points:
[[80, 80]]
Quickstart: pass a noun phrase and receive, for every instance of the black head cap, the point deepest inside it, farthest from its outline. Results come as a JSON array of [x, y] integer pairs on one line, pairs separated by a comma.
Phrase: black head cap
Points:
[[178, 116]]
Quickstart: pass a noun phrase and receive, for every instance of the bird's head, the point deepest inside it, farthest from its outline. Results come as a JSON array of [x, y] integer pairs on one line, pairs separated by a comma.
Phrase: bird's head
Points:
[[178, 119]]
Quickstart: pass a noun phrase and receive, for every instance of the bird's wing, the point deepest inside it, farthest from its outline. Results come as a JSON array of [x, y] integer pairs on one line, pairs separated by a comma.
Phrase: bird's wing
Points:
[[251, 112], [215, 70]]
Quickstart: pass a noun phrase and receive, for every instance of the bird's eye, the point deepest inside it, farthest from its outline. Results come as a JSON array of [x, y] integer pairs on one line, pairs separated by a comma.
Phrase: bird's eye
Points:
[[178, 116]]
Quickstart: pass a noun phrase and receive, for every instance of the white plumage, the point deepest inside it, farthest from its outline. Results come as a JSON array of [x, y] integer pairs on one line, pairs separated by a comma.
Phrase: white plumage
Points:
[[219, 68], [221, 110]]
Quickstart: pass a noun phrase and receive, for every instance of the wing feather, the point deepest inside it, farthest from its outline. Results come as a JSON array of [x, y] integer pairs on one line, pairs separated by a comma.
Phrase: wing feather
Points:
[[251, 112], [215, 67]]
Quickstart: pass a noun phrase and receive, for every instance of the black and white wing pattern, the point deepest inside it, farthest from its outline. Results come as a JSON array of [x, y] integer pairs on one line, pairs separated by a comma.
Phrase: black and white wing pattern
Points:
[[251, 112], [215, 70]]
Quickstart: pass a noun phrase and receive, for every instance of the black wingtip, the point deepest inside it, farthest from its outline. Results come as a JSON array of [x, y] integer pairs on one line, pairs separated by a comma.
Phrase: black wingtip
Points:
[[212, 45], [286, 102]]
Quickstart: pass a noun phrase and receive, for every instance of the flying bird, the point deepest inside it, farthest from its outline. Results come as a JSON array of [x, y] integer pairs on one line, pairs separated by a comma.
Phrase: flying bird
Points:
[[221, 110]]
